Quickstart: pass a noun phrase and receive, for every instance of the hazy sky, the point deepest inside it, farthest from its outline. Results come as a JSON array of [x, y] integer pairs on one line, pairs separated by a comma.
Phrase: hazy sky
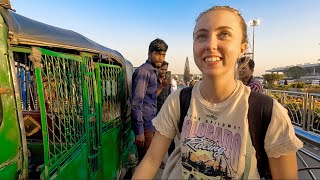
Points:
[[289, 33]]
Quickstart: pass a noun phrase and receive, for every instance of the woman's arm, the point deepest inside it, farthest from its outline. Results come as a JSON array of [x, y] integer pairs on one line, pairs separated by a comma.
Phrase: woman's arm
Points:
[[149, 165], [284, 167]]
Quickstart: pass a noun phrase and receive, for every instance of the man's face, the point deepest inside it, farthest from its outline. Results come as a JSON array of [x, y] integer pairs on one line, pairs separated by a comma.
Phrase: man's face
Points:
[[157, 58], [245, 73], [163, 71]]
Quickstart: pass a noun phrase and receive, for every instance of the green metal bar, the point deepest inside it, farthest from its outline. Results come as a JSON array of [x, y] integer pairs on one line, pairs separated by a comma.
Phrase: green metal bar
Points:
[[98, 118], [61, 55], [99, 95], [94, 125], [85, 109], [21, 49], [110, 65], [55, 164], [89, 73], [43, 122], [13, 78]]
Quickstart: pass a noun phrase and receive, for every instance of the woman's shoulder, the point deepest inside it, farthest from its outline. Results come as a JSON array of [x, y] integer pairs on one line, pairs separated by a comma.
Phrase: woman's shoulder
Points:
[[175, 95]]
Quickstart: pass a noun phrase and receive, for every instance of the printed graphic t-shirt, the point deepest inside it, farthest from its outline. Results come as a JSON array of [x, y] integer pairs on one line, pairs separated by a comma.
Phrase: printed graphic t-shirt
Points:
[[214, 136]]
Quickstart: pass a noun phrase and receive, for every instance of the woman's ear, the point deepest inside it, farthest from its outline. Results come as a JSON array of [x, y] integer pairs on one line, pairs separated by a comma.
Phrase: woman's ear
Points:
[[244, 47]]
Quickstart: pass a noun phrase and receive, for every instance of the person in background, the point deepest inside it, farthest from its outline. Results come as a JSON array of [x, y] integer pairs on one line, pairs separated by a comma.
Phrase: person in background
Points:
[[215, 142], [144, 96], [174, 83], [163, 85], [163, 92], [246, 69]]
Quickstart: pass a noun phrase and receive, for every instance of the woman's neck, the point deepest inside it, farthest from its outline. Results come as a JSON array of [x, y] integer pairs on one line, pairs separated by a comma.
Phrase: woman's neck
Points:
[[217, 90]]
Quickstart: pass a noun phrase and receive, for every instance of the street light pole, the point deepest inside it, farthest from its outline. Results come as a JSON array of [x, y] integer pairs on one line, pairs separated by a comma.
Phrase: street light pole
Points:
[[253, 23], [253, 42]]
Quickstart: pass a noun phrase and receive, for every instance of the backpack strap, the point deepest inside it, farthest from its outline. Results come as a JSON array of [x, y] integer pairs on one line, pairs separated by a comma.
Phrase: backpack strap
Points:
[[259, 117], [184, 97]]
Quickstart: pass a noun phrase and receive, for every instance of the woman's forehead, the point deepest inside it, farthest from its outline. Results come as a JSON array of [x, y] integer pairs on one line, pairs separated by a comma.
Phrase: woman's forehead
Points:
[[217, 18]]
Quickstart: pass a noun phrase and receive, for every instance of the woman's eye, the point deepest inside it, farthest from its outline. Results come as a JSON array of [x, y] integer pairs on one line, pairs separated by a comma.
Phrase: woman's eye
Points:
[[201, 37], [224, 35]]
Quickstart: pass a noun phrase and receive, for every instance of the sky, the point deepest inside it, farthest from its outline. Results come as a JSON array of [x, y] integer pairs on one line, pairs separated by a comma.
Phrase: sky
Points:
[[287, 35]]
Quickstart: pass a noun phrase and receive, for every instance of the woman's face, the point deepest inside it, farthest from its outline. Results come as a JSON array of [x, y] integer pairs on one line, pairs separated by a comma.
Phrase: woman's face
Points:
[[217, 43]]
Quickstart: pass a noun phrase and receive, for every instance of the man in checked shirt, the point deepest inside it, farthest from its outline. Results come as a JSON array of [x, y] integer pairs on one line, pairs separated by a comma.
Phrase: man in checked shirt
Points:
[[246, 69]]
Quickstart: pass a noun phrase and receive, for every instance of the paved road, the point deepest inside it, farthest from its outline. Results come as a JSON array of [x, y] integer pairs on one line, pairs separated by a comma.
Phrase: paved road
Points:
[[310, 162]]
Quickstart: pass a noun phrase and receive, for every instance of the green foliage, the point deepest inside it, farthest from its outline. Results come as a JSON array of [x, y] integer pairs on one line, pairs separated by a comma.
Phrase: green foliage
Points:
[[271, 86], [312, 89], [295, 72], [298, 85], [282, 87], [272, 78], [295, 107]]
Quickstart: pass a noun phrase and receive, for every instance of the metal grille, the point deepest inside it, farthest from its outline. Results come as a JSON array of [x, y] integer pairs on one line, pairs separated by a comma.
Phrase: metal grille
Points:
[[110, 81], [294, 102], [92, 116], [62, 92], [314, 113]]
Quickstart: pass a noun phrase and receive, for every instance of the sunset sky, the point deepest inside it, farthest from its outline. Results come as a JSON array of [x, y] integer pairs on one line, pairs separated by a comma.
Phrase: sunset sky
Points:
[[288, 34]]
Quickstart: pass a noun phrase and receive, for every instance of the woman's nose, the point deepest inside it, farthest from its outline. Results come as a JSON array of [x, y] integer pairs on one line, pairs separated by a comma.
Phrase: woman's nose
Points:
[[212, 43]]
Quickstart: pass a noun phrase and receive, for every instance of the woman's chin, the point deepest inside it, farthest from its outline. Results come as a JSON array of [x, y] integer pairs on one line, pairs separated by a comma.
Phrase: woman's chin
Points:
[[212, 74]]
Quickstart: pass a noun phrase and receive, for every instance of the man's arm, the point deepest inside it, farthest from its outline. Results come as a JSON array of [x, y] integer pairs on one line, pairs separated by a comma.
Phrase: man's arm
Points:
[[139, 87], [152, 160], [284, 167], [163, 84]]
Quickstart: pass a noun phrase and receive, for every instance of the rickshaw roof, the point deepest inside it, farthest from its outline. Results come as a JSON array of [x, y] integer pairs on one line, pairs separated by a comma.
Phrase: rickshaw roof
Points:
[[29, 31]]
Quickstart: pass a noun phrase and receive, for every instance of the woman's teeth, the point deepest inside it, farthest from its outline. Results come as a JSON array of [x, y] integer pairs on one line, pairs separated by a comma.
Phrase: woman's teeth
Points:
[[213, 59]]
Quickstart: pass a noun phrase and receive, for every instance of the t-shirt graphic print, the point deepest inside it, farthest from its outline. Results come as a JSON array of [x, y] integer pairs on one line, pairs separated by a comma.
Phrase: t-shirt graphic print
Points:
[[211, 150]]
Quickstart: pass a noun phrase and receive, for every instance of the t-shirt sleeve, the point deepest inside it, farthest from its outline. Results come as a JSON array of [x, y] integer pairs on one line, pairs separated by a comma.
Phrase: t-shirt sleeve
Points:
[[280, 137], [166, 122]]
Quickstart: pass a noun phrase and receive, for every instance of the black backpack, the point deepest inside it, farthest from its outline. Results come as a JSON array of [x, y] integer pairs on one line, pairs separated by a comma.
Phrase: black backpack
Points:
[[259, 116]]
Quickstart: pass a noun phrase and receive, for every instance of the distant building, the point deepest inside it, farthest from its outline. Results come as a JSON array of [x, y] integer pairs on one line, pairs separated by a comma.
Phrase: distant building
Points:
[[312, 69], [309, 67]]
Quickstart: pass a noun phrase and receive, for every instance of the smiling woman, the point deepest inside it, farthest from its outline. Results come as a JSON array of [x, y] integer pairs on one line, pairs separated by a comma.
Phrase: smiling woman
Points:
[[222, 147]]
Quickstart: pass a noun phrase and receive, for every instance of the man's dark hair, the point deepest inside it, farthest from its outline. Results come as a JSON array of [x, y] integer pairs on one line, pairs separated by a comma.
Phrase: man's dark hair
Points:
[[244, 59], [165, 63], [158, 45]]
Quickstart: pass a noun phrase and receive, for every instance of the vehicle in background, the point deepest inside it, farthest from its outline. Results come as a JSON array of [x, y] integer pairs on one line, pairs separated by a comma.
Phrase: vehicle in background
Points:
[[64, 104], [315, 82]]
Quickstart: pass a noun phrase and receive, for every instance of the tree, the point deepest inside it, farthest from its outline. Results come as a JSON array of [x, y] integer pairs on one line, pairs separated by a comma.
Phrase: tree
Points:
[[272, 78], [186, 74], [295, 72]]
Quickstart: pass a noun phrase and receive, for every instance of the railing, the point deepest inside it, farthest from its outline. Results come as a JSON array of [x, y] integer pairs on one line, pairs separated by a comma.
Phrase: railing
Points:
[[304, 112], [303, 108]]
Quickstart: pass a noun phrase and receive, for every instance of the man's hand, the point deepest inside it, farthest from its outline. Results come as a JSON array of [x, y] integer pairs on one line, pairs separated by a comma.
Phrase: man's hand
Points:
[[140, 140], [164, 83]]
